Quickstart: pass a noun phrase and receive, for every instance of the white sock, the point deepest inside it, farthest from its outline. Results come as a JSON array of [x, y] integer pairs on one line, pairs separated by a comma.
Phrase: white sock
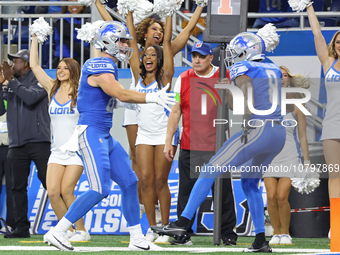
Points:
[[63, 225], [135, 231]]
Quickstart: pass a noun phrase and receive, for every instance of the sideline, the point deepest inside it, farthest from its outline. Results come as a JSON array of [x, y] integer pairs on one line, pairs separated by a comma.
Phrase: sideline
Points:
[[187, 249]]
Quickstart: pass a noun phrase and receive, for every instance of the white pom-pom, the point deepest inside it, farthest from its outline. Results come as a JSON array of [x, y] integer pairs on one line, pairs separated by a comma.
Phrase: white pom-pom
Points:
[[124, 6], [202, 3], [299, 5], [41, 29], [166, 8], [269, 36], [308, 183], [88, 30], [86, 2], [143, 10]]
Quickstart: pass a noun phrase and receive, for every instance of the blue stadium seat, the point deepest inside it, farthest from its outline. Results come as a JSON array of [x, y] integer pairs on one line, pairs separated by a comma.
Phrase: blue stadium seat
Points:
[[335, 6], [25, 35]]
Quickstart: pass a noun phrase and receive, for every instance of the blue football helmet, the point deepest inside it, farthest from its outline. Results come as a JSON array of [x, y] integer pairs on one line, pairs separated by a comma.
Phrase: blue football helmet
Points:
[[108, 38], [244, 46]]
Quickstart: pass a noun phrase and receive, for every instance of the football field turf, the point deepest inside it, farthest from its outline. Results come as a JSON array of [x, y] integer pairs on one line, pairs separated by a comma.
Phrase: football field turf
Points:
[[112, 244]]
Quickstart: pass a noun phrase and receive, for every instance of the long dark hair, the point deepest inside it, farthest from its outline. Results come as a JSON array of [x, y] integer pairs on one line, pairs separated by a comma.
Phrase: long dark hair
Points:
[[159, 73], [74, 68]]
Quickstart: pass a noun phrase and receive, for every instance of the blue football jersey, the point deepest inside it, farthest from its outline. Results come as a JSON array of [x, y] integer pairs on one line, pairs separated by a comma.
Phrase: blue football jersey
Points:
[[94, 105], [266, 80]]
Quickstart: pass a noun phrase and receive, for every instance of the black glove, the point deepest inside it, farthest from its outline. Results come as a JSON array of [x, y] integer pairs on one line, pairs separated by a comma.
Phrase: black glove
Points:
[[246, 128]]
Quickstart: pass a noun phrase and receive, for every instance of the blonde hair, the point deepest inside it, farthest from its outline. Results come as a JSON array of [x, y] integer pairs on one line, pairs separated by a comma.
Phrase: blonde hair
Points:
[[331, 50], [297, 80]]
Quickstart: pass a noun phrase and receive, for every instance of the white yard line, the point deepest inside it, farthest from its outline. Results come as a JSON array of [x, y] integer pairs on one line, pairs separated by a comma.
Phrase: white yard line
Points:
[[187, 249]]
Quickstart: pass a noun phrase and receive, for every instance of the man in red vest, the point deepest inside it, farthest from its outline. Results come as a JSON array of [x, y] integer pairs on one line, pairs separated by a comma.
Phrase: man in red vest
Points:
[[198, 139]]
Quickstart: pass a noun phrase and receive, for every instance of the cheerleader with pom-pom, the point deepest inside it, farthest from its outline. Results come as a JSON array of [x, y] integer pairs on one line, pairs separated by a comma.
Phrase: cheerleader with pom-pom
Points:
[[329, 58], [155, 70], [63, 170], [277, 178]]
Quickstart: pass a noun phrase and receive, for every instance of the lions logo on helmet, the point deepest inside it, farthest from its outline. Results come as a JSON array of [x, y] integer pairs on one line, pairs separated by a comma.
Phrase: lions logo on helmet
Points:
[[244, 46], [109, 38]]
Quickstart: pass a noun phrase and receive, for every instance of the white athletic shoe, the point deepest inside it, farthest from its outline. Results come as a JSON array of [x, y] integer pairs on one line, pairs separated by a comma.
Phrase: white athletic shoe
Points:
[[286, 239], [162, 239], [275, 239], [158, 214], [70, 233], [58, 240], [141, 244], [80, 236], [151, 236], [329, 234]]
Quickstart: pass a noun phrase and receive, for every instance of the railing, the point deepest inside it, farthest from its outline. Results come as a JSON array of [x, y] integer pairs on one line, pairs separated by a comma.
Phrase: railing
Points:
[[300, 15], [15, 24]]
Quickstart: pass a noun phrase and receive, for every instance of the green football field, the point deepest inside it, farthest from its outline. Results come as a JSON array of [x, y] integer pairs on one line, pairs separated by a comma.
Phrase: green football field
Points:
[[112, 244]]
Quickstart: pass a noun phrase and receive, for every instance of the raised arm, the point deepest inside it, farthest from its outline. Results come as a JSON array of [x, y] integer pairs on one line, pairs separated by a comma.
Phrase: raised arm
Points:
[[180, 41], [134, 60], [319, 40], [168, 64], [301, 119], [103, 12], [39, 73]]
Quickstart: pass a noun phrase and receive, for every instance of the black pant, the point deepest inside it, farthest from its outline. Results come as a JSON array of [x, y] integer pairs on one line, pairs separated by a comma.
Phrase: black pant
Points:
[[4, 171], [187, 178], [19, 159]]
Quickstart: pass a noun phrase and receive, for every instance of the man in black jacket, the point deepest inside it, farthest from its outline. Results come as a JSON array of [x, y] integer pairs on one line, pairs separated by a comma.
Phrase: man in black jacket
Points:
[[28, 131]]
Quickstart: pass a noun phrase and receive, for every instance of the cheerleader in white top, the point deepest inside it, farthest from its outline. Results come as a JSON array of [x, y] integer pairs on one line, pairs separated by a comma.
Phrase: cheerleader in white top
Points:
[[155, 71], [277, 178], [63, 170], [329, 58]]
